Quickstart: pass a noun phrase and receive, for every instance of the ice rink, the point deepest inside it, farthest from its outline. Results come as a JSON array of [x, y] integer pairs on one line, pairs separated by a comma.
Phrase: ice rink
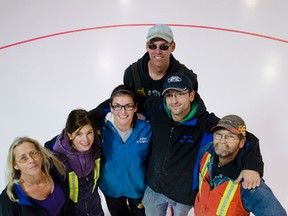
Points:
[[56, 56]]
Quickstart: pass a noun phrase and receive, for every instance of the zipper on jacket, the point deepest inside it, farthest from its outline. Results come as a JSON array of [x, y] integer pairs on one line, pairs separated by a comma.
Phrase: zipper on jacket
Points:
[[171, 131]]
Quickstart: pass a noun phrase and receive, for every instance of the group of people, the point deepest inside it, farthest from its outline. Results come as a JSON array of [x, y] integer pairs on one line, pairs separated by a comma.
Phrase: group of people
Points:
[[151, 148]]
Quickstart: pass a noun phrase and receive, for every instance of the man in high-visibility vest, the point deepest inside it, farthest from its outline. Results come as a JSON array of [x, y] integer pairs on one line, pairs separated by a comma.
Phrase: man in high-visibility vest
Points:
[[222, 161]]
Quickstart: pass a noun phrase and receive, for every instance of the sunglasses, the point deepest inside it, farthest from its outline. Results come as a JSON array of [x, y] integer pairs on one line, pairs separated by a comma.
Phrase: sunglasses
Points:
[[161, 47]]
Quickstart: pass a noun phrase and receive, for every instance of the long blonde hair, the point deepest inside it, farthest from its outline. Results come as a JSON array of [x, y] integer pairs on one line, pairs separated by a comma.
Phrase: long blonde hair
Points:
[[46, 156]]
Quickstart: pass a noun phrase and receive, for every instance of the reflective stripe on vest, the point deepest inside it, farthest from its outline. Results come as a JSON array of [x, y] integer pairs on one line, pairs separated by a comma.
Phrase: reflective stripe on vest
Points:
[[204, 170], [227, 197], [96, 173], [230, 188], [73, 187], [74, 184]]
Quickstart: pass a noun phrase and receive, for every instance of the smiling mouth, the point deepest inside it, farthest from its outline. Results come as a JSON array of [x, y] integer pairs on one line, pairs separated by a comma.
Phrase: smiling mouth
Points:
[[175, 106], [158, 57], [123, 117]]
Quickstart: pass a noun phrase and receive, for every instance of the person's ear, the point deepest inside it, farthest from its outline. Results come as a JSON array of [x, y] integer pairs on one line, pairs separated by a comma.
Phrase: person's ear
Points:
[[16, 167], [69, 135], [242, 142], [173, 46], [191, 95], [147, 48]]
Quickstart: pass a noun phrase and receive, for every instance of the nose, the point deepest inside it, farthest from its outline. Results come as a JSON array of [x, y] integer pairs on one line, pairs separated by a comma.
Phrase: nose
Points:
[[30, 158], [174, 99], [85, 137], [158, 50], [223, 139], [123, 110]]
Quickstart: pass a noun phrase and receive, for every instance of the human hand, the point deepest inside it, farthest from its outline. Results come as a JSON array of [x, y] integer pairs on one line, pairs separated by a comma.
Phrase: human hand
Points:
[[141, 116], [251, 179]]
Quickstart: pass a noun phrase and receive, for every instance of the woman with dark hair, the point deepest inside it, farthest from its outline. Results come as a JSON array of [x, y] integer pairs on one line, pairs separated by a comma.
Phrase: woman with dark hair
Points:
[[78, 147], [34, 181], [125, 143]]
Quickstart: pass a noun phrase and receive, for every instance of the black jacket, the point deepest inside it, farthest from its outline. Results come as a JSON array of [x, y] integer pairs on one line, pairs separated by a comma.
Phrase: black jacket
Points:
[[174, 162], [10, 208], [154, 87], [148, 86]]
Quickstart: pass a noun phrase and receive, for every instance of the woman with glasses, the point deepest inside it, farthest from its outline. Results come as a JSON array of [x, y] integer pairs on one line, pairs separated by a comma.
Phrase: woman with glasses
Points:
[[125, 146], [78, 147], [34, 187]]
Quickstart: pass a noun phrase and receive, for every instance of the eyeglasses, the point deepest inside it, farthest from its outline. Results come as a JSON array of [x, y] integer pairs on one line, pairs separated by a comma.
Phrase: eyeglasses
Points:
[[33, 154], [161, 47], [127, 107], [228, 138], [176, 95]]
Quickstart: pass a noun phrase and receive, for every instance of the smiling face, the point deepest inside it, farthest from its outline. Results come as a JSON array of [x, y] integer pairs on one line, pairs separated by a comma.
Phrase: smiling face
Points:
[[83, 138], [158, 56], [179, 103], [123, 118], [27, 159]]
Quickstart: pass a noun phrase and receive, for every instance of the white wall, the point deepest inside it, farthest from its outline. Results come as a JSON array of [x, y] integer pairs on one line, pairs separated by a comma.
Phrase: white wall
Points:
[[42, 80]]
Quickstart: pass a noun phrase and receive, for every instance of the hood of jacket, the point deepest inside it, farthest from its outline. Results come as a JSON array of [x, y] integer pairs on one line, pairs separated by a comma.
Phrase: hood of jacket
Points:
[[80, 162]]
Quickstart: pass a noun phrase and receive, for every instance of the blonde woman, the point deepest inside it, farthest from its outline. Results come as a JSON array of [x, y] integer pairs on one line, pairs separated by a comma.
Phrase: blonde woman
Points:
[[34, 181]]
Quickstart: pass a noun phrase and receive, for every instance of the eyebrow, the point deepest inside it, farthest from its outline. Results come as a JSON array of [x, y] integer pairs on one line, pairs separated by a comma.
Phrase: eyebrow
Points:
[[29, 152]]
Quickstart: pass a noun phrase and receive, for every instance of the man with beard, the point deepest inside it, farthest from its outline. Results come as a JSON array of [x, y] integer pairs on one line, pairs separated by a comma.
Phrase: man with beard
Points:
[[222, 161]]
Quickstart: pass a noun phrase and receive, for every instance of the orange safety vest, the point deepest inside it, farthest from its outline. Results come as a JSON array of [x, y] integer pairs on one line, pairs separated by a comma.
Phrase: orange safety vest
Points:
[[223, 200]]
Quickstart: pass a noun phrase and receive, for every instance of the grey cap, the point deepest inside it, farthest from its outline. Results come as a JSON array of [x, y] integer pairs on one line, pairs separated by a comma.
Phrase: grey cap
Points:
[[160, 31]]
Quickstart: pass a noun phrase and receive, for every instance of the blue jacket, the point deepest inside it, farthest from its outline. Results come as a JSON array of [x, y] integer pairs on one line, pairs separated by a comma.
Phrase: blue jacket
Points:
[[123, 172]]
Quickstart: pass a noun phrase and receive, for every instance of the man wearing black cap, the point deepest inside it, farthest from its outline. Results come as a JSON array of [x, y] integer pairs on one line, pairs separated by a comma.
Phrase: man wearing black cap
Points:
[[221, 162], [180, 125]]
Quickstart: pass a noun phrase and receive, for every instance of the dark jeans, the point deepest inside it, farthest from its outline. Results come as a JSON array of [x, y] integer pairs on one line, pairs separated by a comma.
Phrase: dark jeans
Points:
[[125, 206]]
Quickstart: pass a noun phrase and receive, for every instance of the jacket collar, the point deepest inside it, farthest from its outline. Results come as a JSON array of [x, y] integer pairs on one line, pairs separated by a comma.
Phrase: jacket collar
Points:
[[22, 197]]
